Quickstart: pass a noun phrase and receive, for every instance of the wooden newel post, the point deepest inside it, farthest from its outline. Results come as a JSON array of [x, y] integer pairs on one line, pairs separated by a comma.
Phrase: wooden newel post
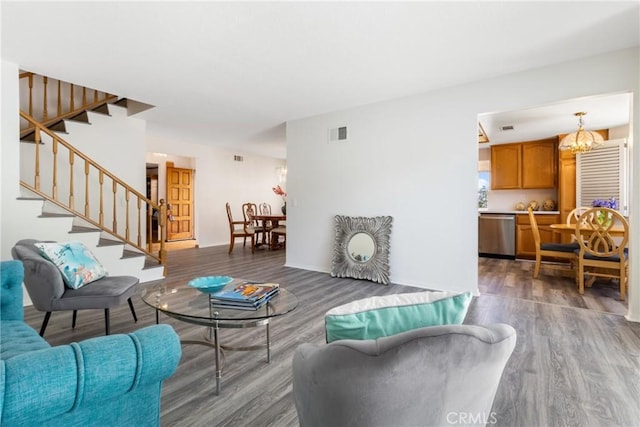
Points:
[[162, 220]]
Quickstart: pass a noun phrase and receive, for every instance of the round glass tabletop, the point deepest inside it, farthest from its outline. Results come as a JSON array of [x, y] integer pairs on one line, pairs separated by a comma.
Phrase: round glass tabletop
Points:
[[191, 305]]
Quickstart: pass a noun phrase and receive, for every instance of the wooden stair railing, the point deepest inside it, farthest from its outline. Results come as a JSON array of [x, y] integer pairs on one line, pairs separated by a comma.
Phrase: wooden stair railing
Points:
[[68, 100], [94, 192]]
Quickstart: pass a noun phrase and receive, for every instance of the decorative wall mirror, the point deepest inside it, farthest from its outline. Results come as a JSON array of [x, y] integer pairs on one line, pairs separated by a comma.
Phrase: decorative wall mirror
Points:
[[361, 249]]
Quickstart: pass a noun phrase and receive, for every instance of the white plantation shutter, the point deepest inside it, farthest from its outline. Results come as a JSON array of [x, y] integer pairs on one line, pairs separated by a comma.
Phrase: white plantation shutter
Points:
[[602, 173]]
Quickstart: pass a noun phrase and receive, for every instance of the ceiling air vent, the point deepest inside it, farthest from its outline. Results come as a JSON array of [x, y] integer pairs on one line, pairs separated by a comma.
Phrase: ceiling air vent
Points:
[[237, 158], [338, 134], [506, 127]]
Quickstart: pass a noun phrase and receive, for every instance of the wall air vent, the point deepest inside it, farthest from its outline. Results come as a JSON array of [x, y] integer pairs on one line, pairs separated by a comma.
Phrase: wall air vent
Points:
[[506, 127], [237, 158], [338, 134]]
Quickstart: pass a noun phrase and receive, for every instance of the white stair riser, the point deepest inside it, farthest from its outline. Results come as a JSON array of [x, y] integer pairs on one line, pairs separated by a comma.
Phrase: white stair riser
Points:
[[47, 228], [89, 239], [107, 254], [151, 274], [30, 208], [123, 266]]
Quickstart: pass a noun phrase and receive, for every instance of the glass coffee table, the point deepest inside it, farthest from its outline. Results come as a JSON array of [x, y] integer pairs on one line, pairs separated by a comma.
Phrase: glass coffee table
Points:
[[188, 304]]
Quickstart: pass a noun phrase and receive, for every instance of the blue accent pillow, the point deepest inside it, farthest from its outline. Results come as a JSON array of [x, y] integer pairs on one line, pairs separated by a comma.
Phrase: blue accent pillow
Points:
[[75, 261], [382, 316]]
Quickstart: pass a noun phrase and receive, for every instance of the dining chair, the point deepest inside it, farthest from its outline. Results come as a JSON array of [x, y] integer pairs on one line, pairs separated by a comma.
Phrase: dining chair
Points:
[[599, 250], [265, 208], [554, 250], [267, 226], [250, 210], [572, 217], [276, 233], [239, 229]]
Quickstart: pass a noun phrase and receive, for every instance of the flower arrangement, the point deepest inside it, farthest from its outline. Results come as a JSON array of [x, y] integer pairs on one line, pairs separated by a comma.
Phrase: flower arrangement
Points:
[[603, 217], [280, 192], [605, 203]]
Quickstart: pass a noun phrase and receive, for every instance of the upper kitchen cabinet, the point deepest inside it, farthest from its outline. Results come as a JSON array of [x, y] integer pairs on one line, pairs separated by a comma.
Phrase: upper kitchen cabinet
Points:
[[524, 165], [505, 166], [539, 164]]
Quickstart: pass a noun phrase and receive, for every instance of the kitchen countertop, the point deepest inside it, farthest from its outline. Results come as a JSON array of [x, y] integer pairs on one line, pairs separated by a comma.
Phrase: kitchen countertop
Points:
[[504, 211]]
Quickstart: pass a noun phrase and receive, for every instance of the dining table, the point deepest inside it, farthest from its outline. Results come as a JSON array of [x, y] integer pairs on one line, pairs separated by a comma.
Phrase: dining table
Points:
[[564, 228], [264, 220]]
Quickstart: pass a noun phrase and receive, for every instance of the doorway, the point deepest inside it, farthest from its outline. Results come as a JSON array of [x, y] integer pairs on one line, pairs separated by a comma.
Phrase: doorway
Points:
[[610, 112], [171, 179], [152, 194], [180, 188]]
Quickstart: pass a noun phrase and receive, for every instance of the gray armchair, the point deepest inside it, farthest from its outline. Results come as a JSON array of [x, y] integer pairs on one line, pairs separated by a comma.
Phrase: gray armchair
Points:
[[432, 376], [48, 292]]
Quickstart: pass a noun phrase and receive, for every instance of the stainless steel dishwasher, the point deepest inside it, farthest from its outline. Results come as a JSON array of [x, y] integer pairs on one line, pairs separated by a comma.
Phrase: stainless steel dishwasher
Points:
[[497, 235]]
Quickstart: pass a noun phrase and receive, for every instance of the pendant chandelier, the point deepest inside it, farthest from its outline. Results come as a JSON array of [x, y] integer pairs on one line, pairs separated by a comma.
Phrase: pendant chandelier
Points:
[[581, 141]]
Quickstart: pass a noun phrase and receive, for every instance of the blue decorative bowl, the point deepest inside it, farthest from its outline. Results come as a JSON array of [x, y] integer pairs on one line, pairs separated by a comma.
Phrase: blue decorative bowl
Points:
[[210, 284]]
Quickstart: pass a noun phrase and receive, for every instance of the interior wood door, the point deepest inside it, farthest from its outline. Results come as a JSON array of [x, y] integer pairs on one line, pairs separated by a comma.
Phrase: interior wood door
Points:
[[180, 200]]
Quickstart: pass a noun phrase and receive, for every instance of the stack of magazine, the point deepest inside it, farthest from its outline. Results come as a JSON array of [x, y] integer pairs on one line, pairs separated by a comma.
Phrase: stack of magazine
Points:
[[244, 296]]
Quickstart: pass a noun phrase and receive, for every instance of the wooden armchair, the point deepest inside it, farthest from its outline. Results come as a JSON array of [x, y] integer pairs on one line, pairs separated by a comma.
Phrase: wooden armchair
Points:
[[239, 229]]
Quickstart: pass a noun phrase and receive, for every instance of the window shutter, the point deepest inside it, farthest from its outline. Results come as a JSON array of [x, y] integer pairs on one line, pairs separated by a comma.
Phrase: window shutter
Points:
[[602, 173]]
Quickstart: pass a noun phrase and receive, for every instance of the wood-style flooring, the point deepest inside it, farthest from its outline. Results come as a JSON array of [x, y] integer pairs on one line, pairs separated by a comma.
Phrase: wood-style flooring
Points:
[[571, 365], [554, 285]]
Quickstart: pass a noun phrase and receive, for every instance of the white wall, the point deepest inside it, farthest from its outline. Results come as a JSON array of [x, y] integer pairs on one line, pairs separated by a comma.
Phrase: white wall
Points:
[[416, 160], [218, 179], [9, 154]]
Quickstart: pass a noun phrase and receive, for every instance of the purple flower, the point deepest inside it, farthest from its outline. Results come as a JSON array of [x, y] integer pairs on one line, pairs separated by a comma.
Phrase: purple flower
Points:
[[605, 203]]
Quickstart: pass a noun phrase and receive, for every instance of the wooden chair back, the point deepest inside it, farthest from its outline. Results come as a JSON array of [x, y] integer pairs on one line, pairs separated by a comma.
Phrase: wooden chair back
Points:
[[594, 237], [239, 229], [229, 216], [534, 228], [574, 215], [249, 210], [265, 208], [600, 250], [553, 250]]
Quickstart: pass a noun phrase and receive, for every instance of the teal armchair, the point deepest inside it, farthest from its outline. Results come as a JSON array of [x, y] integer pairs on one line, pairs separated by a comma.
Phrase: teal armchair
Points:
[[113, 380]]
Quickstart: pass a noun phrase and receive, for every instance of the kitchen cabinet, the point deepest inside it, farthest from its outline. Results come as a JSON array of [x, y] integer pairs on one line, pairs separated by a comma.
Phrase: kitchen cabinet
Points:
[[539, 164], [505, 166], [525, 244], [524, 165]]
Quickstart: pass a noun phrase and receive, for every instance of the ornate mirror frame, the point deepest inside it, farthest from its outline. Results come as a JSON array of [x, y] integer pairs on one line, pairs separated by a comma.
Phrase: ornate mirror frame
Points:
[[376, 268]]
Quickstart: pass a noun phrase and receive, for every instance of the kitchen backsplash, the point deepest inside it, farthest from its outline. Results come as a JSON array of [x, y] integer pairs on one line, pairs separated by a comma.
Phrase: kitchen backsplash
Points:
[[507, 199]]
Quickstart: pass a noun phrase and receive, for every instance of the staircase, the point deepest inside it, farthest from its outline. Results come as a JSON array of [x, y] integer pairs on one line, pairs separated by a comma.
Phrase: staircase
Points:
[[46, 221], [66, 195]]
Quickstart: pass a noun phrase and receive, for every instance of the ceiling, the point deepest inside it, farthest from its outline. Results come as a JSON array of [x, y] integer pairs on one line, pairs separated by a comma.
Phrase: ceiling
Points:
[[232, 73], [603, 112]]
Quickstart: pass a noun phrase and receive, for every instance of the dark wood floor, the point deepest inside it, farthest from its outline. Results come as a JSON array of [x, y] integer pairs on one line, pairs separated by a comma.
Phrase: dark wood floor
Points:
[[571, 366]]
